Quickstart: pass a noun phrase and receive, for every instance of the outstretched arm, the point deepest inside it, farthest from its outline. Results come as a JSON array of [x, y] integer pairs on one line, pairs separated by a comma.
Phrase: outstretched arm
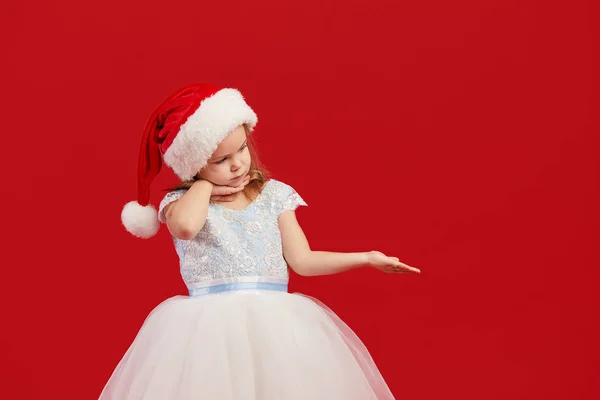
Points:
[[307, 262]]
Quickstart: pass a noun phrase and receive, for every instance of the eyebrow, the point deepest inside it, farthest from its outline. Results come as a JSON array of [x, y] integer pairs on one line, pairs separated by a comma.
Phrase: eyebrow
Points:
[[221, 157]]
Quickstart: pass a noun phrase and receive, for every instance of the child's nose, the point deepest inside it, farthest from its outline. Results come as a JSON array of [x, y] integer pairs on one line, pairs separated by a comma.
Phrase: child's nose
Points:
[[236, 163]]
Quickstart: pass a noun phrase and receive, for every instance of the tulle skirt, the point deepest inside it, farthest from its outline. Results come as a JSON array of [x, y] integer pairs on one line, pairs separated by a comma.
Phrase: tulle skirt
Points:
[[255, 344]]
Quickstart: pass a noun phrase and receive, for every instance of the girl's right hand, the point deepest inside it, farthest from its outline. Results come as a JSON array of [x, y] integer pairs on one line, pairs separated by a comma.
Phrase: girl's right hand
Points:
[[226, 193]]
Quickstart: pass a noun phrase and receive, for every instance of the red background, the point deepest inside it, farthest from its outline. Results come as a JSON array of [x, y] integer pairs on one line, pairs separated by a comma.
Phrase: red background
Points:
[[460, 136]]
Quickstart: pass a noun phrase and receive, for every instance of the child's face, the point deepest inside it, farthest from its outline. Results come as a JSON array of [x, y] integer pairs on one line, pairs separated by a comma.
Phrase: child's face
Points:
[[230, 162]]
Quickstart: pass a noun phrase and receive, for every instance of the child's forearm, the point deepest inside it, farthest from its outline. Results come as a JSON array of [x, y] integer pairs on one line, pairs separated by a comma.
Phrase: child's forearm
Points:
[[315, 263], [187, 215]]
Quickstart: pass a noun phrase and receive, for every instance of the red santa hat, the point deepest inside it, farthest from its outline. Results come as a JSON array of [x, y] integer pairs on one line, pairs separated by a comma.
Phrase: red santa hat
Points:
[[183, 132]]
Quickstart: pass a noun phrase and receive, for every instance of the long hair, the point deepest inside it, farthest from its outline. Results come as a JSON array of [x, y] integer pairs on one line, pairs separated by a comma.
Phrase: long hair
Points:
[[258, 174]]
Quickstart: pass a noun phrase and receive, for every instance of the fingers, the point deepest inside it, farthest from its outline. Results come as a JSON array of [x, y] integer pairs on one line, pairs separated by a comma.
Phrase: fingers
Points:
[[401, 267], [394, 270], [410, 269], [225, 193], [232, 189], [243, 184]]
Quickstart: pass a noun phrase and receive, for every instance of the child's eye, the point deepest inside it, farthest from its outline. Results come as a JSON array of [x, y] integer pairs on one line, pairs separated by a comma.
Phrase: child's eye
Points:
[[240, 150]]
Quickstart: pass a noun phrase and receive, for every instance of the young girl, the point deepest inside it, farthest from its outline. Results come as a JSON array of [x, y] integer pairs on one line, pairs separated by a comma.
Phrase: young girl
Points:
[[239, 334]]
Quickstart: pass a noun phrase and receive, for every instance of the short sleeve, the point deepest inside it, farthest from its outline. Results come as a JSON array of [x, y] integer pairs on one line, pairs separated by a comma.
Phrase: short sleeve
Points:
[[169, 198], [288, 199]]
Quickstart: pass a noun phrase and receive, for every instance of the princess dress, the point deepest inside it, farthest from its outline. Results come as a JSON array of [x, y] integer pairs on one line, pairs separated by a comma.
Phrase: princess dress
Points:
[[239, 334]]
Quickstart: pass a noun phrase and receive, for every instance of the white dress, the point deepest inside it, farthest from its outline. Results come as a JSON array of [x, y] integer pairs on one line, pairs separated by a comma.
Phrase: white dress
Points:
[[239, 334]]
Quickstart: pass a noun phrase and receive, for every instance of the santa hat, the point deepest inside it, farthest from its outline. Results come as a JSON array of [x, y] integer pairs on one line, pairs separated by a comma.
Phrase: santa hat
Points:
[[183, 132]]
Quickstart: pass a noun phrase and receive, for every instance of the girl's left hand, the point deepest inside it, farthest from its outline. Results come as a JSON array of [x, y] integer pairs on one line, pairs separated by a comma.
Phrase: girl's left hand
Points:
[[388, 264]]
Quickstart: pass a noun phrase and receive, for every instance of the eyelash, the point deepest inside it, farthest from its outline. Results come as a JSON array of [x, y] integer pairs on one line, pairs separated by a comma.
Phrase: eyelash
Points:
[[241, 149]]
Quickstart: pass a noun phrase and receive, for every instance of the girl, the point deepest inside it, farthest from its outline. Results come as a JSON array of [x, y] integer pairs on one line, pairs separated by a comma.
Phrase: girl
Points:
[[239, 334]]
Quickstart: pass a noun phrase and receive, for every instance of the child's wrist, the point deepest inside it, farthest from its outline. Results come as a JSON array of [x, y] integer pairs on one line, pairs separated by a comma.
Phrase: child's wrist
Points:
[[203, 182], [366, 258]]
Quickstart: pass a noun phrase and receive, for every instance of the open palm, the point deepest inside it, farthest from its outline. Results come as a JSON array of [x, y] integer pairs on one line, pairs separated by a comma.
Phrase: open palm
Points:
[[389, 264]]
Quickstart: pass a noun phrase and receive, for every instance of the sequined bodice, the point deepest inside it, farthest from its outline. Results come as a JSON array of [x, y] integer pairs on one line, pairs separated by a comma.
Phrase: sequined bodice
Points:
[[237, 244]]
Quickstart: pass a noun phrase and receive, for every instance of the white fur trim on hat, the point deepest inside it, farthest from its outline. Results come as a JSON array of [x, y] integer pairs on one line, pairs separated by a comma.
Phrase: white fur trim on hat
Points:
[[141, 221], [201, 134]]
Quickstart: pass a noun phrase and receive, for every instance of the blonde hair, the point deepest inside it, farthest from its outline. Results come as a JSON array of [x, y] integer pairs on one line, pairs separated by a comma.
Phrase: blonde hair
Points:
[[258, 174]]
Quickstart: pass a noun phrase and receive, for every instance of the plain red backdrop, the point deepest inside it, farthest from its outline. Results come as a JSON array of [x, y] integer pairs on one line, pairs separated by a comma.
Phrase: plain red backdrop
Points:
[[460, 136]]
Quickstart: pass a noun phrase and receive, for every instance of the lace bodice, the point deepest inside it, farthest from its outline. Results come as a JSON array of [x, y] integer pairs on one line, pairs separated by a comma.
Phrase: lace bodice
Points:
[[236, 245]]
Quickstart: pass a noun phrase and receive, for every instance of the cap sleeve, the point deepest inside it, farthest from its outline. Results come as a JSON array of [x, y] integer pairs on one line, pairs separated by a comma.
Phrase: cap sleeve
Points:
[[169, 198], [287, 199]]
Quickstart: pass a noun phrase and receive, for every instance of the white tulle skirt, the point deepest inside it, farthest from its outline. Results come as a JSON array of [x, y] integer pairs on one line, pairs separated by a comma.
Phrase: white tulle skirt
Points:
[[255, 344]]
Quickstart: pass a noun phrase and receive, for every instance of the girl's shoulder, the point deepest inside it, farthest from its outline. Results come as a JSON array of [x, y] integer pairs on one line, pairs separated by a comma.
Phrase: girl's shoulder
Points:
[[284, 196], [277, 188], [173, 195], [277, 185]]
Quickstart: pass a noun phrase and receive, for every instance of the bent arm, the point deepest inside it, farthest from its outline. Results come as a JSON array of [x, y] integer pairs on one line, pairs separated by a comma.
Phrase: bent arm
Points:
[[187, 215]]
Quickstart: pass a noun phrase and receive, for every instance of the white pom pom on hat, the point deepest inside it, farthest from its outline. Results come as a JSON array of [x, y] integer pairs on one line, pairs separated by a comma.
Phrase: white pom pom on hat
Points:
[[141, 221], [183, 132]]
